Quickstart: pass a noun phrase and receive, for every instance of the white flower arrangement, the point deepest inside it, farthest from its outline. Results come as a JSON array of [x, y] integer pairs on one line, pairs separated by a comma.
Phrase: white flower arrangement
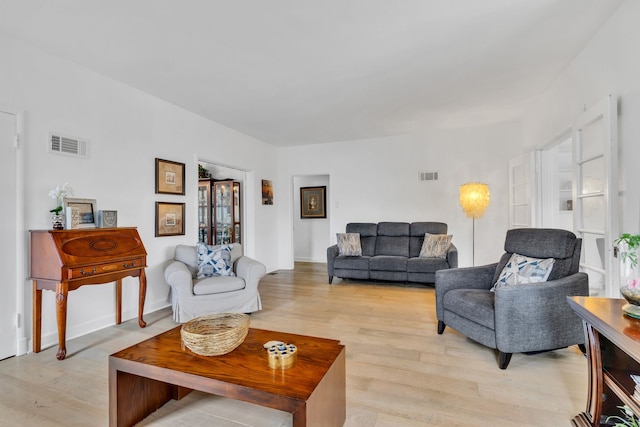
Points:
[[58, 194]]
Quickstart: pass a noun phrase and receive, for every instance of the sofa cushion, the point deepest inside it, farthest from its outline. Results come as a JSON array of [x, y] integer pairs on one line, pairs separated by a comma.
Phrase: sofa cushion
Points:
[[388, 263], [368, 232], [393, 239], [426, 265], [189, 257], [435, 245], [349, 244], [476, 305], [214, 260], [351, 262], [217, 285], [521, 269]]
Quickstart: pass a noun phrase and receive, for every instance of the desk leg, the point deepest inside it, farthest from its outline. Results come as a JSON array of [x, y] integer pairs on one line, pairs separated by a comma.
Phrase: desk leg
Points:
[[592, 415], [62, 291], [142, 295], [118, 301], [37, 317]]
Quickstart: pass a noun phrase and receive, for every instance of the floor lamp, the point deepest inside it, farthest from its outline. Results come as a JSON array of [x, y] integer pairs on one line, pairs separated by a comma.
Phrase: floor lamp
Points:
[[474, 199]]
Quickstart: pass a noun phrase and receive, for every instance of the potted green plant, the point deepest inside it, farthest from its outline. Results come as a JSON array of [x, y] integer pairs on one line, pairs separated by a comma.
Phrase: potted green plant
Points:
[[58, 194], [628, 246], [629, 419]]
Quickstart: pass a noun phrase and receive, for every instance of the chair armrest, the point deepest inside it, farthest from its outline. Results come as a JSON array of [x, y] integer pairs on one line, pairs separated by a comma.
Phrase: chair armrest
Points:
[[332, 252], [462, 278], [250, 270], [524, 314], [452, 256], [178, 276]]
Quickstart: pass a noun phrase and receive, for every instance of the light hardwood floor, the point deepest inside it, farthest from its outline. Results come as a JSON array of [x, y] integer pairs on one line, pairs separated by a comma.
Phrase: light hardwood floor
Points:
[[399, 371]]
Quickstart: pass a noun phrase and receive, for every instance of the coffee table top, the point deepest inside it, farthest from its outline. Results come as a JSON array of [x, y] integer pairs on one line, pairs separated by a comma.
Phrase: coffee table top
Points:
[[164, 357]]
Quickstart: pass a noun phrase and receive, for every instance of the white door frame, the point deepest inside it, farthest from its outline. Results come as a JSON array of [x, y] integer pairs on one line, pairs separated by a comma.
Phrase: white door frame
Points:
[[21, 270], [606, 111]]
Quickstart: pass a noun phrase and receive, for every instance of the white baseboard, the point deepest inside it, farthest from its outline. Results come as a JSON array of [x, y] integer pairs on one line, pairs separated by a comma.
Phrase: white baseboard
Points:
[[91, 325]]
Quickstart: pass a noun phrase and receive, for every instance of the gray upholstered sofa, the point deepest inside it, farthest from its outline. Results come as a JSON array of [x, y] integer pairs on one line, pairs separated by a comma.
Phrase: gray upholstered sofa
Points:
[[390, 252], [191, 297]]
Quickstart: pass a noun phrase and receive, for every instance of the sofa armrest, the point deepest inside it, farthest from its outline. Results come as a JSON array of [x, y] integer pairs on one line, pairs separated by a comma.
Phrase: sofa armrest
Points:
[[480, 277], [332, 253], [178, 276], [519, 309], [452, 256], [250, 270]]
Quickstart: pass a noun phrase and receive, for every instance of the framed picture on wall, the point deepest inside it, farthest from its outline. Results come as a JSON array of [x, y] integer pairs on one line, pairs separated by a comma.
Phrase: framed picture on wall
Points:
[[312, 202], [169, 177], [169, 219], [267, 192]]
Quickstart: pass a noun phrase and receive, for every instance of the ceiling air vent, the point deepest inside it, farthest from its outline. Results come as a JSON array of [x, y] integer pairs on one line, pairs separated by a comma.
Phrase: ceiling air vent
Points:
[[69, 146], [428, 176]]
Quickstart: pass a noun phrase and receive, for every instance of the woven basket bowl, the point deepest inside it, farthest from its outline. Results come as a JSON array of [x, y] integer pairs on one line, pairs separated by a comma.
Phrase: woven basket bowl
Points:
[[215, 334]]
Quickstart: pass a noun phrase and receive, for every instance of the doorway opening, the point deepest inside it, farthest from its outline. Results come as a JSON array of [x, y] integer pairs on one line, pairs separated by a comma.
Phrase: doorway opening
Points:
[[310, 235]]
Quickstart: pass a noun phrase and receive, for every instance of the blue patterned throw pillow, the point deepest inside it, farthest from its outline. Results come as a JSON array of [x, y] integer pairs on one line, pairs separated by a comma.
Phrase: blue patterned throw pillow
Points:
[[521, 269], [214, 260]]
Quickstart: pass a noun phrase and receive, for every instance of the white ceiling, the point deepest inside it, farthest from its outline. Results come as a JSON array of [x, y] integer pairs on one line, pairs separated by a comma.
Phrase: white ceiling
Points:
[[293, 72]]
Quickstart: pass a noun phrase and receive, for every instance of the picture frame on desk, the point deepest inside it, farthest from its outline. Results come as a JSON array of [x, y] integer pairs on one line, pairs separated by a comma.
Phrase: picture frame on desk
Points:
[[169, 219], [87, 212], [107, 219]]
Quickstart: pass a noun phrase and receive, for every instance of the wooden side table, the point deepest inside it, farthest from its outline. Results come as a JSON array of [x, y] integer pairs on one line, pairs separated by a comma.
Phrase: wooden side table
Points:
[[613, 354], [64, 260]]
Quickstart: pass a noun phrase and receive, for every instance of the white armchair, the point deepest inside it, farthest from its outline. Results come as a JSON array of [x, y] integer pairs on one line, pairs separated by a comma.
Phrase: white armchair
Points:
[[191, 297]]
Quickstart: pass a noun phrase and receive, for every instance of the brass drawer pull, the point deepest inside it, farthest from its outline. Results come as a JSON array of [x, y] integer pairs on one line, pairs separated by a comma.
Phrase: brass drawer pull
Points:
[[84, 273], [125, 265]]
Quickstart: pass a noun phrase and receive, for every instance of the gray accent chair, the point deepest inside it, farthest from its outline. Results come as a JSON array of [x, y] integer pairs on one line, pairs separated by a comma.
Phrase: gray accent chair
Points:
[[191, 297], [522, 318]]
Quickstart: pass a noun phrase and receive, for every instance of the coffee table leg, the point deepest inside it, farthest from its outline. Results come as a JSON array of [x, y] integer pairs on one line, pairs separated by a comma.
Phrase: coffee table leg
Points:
[[327, 406], [132, 398]]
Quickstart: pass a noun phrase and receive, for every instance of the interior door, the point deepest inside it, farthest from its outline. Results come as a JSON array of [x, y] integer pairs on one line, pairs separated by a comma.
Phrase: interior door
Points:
[[556, 184], [522, 212], [596, 194], [8, 235]]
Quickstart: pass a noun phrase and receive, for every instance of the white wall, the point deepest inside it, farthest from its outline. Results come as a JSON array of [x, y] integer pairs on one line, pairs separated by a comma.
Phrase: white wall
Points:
[[128, 129], [310, 235], [376, 180], [609, 64]]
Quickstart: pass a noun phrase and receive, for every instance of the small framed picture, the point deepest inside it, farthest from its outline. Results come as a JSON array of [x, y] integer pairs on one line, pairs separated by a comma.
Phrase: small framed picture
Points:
[[267, 192], [169, 177], [169, 219], [312, 202], [86, 211], [107, 219]]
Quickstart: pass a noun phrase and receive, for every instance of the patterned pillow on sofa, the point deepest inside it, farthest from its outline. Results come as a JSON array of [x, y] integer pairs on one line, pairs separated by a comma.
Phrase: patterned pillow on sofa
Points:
[[214, 260], [435, 245], [349, 244]]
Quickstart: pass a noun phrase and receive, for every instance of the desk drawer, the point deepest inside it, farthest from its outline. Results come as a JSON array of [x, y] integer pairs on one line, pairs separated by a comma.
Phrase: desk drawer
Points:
[[111, 267]]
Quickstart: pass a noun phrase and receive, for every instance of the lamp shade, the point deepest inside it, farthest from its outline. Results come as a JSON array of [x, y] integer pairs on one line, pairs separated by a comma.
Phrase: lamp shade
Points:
[[474, 198]]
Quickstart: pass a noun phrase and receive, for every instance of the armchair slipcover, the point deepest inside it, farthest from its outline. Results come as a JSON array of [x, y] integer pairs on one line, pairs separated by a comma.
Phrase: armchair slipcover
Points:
[[518, 318], [191, 297]]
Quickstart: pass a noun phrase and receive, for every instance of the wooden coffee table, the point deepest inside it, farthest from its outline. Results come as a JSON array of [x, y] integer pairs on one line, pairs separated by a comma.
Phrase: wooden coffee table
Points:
[[145, 376]]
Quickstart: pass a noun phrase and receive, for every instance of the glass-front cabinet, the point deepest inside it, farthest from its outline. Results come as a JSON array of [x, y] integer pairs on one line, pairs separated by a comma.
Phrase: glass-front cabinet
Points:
[[204, 211], [219, 212]]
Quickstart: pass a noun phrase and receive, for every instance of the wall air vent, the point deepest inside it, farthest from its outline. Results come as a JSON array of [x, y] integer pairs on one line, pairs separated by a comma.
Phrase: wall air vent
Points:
[[428, 176], [68, 146]]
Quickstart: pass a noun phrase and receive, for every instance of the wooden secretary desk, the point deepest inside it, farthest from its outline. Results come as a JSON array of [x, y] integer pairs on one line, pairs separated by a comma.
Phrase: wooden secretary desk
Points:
[[64, 260]]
